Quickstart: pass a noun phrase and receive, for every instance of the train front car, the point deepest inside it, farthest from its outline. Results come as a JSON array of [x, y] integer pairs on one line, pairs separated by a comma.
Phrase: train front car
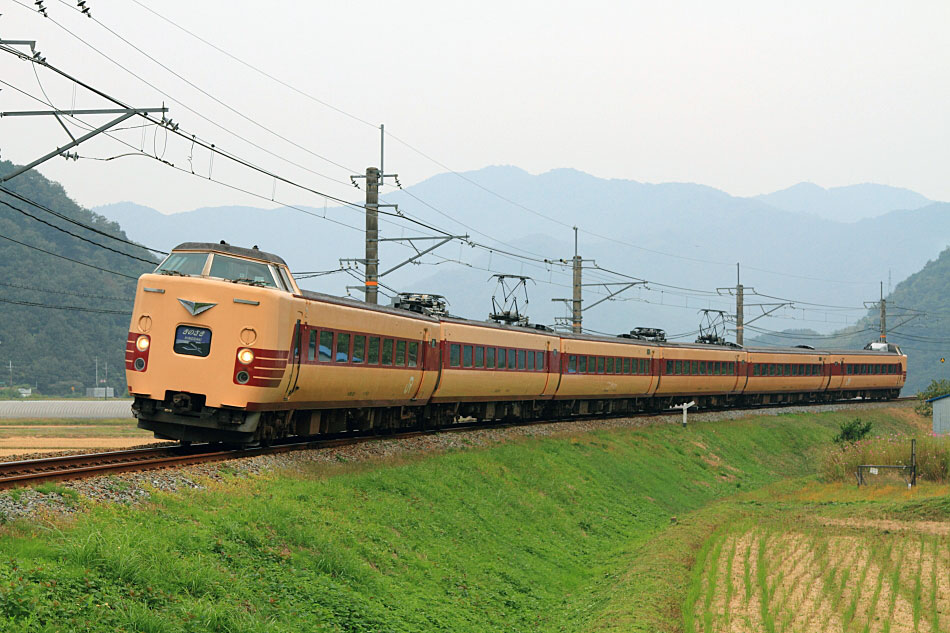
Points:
[[207, 339]]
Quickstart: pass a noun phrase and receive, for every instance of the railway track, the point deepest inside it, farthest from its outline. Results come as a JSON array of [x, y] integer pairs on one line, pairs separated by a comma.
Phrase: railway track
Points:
[[63, 468]]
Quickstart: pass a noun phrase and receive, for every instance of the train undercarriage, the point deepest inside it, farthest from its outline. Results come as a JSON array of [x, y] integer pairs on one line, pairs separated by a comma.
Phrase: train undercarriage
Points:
[[184, 417]]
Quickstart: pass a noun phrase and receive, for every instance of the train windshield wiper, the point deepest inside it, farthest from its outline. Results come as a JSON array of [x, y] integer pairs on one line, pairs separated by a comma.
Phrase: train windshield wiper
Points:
[[169, 271], [248, 281]]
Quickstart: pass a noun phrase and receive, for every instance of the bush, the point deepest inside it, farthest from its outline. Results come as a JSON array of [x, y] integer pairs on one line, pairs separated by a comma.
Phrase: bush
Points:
[[936, 388], [852, 431]]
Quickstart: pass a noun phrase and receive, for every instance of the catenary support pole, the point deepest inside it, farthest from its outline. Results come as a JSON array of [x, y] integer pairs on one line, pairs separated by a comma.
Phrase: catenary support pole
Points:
[[372, 235], [577, 298]]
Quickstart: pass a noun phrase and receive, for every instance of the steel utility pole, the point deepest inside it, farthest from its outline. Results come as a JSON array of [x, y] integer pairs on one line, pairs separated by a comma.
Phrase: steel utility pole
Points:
[[740, 329], [371, 282], [576, 316], [882, 306], [883, 315]]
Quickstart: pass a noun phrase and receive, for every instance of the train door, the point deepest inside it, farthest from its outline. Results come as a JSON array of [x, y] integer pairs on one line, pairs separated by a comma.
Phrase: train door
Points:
[[431, 358]]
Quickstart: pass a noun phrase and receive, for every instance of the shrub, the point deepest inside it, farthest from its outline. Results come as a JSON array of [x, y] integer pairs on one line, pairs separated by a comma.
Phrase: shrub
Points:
[[852, 431], [936, 388]]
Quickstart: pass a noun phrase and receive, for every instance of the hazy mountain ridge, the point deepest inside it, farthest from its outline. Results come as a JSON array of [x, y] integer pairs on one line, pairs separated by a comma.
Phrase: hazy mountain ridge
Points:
[[693, 222], [844, 204]]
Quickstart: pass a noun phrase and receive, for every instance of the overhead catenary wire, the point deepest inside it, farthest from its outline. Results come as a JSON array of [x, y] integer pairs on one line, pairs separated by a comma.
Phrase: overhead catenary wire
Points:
[[204, 92], [472, 243], [443, 165]]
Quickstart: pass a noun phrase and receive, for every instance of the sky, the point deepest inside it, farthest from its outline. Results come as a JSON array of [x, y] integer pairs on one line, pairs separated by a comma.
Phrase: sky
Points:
[[748, 97]]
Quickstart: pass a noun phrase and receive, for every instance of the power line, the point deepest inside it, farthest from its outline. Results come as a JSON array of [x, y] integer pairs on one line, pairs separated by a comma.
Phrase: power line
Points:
[[70, 308], [65, 292], [75, 261], [204, 92], [70, 233], [427, 156]]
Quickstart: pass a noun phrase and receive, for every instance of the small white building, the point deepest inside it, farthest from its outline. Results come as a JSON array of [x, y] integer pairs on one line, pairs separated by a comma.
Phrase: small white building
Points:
[[941, 405]]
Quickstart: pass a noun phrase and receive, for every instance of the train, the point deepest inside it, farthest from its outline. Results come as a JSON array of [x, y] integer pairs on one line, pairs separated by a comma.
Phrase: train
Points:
[[224, 346]]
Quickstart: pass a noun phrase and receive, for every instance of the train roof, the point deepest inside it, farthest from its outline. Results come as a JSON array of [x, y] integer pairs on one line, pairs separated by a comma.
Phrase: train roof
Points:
[[225, 248], [599, 338]]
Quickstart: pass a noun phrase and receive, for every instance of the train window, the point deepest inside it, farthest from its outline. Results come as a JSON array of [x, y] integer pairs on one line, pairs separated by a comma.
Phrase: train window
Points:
[[669, 367], [400, 354], [582, 364], [521, 359], [241, 271], [539, 361], [373, 356], [646, 365], [755, 369], [490, 357], [530, 363], [892, 369], [610, 365], [359, 349], [342, 348], [312, 352], [466, 356], [601, 364], [479, 356], [850, 369], [413, 354], [326, 346], [455, 355], [694, 368], [387, 356], [626, 365], [511, 358], [184, 263], [501, 358], [572, 364], [794, 370]]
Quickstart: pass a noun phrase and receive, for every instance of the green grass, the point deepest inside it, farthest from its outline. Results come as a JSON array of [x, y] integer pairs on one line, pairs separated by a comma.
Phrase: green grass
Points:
[[557, 534]]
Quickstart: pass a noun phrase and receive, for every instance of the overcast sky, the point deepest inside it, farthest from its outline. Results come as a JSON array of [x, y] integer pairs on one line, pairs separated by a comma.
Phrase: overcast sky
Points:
[[748, 97]]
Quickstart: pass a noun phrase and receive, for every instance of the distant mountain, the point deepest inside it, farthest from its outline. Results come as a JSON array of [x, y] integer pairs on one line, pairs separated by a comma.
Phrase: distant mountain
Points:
[[918, 319], [681, 234], [844, 204], [56, 345]]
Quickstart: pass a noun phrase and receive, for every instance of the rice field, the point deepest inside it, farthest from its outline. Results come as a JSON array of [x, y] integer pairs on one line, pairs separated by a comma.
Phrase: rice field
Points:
[[25, 436], [825, 574]]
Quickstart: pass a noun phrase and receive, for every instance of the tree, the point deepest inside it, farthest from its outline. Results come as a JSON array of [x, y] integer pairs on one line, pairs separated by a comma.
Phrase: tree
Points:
[[936, 388]]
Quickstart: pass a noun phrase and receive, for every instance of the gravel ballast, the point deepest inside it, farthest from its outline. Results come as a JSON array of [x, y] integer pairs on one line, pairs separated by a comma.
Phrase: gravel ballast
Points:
[[135, 487]]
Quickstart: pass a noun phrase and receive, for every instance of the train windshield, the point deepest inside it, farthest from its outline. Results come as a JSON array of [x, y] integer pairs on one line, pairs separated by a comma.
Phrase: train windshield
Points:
[[183, 264], [242, 271]]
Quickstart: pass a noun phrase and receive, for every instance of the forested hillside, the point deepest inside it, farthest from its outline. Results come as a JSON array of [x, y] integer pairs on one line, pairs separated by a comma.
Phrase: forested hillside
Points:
[[918, 320], [57, 317]]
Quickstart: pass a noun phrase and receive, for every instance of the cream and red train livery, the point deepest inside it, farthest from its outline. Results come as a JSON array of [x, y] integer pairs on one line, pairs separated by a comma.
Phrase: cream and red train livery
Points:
[[224, 346]]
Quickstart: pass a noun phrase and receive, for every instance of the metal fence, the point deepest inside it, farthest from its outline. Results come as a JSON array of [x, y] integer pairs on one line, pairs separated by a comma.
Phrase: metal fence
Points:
[[874, 469]]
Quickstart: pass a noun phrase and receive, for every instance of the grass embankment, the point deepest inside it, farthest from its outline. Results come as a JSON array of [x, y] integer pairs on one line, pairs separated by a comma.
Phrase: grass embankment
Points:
[[538, 535]]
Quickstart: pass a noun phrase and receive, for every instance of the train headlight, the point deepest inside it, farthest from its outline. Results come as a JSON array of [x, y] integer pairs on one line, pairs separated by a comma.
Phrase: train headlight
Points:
[[142, 343], [245, 356]]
